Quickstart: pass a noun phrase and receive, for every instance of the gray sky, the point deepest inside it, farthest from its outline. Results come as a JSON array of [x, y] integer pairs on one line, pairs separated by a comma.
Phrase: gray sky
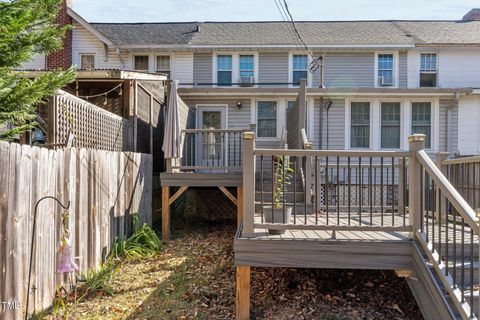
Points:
[[243, 10]]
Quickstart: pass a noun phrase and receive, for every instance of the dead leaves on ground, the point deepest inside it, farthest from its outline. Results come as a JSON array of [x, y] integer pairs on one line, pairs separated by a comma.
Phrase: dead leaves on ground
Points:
[[194, 278]]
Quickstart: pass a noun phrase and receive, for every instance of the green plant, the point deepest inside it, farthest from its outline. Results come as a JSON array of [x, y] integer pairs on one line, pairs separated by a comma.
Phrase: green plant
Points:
[[283, 176], [27, 29], [143, 243], [59, 304], [38, 315], [98, 281]]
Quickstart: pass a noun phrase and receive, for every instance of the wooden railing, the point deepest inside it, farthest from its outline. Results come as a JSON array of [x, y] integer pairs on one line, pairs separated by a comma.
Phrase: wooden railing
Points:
[[464, 174], [87, 125], [446, 228], [373, 177], [211, 150], [372, 191]]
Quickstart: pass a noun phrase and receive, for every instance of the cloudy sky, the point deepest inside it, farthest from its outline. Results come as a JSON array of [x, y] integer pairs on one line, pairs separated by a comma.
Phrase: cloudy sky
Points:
[[241, 10]]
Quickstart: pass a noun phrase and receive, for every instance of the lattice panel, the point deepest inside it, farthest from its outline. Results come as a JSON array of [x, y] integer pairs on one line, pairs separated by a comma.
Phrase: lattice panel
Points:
[[91, 126]]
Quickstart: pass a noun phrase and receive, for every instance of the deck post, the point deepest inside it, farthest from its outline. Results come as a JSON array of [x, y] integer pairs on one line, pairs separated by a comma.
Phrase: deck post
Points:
[[248, 182], [165, 213], [308, 172], [242, 304], [416, 143], [240, 205]]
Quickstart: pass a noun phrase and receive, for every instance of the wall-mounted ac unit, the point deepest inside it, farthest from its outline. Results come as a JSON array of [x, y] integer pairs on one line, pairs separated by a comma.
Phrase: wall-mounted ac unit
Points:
[[247, 81], [385, 81]]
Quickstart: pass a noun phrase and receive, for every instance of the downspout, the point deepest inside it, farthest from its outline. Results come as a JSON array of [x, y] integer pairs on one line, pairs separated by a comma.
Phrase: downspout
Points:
[[448, 143]]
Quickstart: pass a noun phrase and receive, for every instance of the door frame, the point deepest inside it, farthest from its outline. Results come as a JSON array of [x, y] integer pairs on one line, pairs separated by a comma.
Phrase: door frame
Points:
[[223, 108]]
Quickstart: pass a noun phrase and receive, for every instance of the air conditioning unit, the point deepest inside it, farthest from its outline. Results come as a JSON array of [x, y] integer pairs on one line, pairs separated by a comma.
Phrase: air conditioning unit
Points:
[[385, 81], [247, 81]]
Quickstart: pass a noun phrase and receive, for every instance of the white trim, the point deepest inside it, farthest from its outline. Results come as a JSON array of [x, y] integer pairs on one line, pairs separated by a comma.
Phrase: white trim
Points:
[[142, 55], [405, 122], [75, 16], [87, 54], [186, 46], [280, 115], [170, 55], [290, 68], [235, 67], [212, 107], [348, 121], [396, 67]]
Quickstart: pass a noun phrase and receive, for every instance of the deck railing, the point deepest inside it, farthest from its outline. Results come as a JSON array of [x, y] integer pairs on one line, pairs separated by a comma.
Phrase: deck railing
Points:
[[211, 150], [348, 190], [464, 174], [392, 191], [448, 231]]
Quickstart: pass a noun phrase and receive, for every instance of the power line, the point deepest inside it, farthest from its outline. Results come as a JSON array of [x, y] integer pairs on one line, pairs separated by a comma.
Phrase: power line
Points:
[[315, 62]]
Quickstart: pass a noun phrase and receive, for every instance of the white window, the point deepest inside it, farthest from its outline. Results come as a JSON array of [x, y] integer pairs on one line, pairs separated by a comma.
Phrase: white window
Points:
[[141, 63], [360, 125], [247, 69], [267, 119], [385, 69], [422, 121], [428, 70], [163, 65], [224, 70], [390, 125], [87, 61], [299, 68]]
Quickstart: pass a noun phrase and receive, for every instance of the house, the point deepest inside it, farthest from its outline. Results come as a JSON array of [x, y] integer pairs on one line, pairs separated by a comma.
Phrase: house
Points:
[[399, 77], [362, 113]]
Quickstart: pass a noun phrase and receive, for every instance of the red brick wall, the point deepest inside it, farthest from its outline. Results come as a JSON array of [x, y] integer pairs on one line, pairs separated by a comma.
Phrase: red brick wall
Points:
[[62, 59]]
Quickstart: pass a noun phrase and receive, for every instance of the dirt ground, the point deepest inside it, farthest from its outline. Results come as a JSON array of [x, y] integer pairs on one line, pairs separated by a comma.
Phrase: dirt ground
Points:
[[194, 278]]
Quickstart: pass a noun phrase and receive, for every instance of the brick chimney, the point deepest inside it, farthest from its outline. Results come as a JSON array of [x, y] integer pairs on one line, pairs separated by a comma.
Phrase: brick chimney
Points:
[[472, 15], [62, 59]]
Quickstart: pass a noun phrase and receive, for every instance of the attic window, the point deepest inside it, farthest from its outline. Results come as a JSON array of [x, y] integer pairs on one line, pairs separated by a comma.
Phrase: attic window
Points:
[[87, 61], [141, 63]]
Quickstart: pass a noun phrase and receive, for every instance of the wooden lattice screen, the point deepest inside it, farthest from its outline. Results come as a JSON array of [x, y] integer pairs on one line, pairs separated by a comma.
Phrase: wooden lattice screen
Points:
[[91, 126]]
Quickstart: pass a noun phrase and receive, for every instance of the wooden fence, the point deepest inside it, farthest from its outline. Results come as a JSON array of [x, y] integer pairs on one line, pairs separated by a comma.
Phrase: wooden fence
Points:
[[89, 125], [105, 189]]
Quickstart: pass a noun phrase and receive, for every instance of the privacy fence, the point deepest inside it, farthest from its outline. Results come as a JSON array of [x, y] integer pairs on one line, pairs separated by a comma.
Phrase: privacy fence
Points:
[[105, 190]]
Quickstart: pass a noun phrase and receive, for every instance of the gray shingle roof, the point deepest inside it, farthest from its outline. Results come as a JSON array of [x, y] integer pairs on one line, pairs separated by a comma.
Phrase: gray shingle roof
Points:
[[346, 33]]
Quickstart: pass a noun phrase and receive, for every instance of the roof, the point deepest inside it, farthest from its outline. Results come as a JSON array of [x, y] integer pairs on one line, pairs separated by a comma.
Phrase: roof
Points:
[[328, 33]]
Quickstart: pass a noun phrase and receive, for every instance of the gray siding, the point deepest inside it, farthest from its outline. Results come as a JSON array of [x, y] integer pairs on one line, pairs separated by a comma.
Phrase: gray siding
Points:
[[453, 132], [202, 67], [273, 67], [348, 70], [336, 125], [403, 70]]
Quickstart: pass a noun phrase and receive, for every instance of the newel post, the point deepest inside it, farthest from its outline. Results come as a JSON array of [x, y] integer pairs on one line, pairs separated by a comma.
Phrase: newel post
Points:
[[416, 143], [248, 182]]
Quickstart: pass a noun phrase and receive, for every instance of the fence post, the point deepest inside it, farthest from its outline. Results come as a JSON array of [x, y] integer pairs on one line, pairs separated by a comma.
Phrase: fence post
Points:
[[416, 143], [248, 182]]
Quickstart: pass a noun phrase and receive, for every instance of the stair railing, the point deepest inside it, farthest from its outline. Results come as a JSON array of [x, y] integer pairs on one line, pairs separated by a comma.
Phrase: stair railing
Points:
[[446, 227]]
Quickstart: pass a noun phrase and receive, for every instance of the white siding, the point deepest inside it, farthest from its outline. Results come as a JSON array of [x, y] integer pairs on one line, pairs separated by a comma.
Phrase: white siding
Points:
[[85, 42], [469, 130], [457, 68], [37, 63], [183, 67]]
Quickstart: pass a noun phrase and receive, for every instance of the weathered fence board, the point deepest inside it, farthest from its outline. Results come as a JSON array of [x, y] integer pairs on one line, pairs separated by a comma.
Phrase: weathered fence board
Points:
[[105, 189]]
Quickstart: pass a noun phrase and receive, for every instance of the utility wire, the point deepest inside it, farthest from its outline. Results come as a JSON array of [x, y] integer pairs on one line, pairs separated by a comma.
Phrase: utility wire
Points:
[[298, 40]]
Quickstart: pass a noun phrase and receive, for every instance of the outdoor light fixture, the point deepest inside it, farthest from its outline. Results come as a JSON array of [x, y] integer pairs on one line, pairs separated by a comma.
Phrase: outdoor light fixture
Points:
[[239, 104]]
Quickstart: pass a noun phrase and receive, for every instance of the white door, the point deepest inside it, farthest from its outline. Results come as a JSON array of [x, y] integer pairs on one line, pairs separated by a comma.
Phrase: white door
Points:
[[211, 145]]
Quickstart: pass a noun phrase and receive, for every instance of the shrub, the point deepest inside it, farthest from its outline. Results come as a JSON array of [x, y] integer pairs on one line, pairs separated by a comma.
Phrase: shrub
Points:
[[143, 243]]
